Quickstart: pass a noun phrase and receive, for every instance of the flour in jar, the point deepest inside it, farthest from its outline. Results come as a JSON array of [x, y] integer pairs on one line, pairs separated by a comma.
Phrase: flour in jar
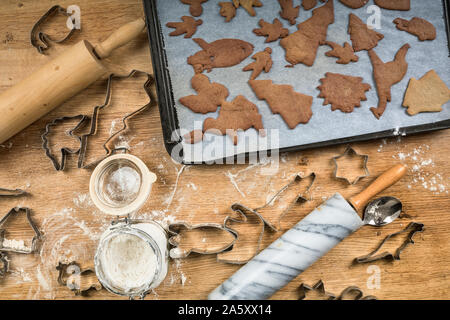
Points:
[[129, 262]]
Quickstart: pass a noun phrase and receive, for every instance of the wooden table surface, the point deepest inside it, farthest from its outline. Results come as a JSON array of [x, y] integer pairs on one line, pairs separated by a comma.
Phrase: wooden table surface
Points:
[[71, 224]]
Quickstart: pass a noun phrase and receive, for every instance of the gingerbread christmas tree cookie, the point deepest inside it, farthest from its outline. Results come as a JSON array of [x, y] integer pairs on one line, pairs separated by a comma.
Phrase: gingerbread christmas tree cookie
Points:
[[362, 37], [343, 92], [209, 95], [272, 31], [294, 107], [240, 114], [263, 62], [428, 94], [188, 26], [301, 46]]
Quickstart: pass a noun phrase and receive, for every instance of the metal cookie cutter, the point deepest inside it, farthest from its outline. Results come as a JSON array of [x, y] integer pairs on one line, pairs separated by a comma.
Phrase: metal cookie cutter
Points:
[[411, 229], [35, 239], [349, 293], [45, 39], [238, 255], [351, 151], [201, 247], [71, 275], [4, 265], [64, 151], [12, 193]]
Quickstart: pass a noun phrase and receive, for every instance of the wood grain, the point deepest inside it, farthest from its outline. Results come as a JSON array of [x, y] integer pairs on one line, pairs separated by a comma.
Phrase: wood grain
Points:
[[71, 225]]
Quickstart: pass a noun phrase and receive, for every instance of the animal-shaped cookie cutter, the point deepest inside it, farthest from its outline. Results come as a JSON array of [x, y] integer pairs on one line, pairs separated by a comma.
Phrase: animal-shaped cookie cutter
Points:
[[45, 39], [74, 271], [349, 293], [94, 119], [350, 151]]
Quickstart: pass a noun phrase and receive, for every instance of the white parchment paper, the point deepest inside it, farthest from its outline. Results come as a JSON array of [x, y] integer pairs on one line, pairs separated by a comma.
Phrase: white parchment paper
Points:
[[324, 125]]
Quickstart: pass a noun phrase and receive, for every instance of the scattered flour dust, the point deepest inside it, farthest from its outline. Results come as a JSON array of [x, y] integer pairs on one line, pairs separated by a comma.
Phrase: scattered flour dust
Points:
[[422, 167]]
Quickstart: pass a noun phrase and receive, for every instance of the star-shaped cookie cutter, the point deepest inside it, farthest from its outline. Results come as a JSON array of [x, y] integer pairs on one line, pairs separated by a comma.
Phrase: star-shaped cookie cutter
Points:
[[351, 151]]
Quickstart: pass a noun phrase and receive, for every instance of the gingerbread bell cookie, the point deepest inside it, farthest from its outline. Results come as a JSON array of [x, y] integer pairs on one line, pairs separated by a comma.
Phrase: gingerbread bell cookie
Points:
[[354, 4], [345, 54], [263, 62], [240, 114], [386, 75], [428, 94], [301, 46], [288, 11], [195, 7], [362, 37], [401, 5], [219, 54], [227, 10], [187, 27], [209, 95], [294, 107], [343, 92], [419, 27], [272, 31]]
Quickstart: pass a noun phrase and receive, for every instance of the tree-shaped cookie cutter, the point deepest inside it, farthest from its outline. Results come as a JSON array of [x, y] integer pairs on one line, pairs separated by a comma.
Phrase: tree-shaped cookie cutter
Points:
[[350, 151]]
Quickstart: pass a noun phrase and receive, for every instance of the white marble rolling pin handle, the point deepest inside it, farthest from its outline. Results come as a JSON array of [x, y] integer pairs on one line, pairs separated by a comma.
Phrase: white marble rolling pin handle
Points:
[[301, 246]]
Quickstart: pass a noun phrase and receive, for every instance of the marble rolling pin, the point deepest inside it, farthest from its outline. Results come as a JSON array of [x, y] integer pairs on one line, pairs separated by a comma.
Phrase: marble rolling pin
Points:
[[58, 80], [301, 246]]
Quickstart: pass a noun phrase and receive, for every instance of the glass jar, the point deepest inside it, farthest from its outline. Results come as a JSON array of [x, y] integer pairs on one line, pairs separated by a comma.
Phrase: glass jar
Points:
[[132, 257]]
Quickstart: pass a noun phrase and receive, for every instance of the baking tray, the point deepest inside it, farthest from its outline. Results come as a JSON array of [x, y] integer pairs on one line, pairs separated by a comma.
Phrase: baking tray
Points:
[[172, 115]]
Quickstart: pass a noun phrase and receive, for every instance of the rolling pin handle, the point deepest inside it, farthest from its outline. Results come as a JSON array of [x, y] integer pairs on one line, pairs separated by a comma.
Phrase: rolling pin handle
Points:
[[120, 37], [383, 182]]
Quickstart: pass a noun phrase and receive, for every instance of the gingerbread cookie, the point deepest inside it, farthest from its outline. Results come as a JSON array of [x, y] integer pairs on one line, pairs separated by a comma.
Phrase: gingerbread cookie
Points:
[[386, 75], [345, 53], [288, 11], [209, 95], [428, 94], [294, 107], [354, 4], [301, 46], [362, 37], [419, 27], [272, 31], [227, 10], [240, 114], [263, 62], [219, 54], [343, 92], [401, 5], [188, 26], [248, 5], [193, 137], [195, 7], [309, 4]]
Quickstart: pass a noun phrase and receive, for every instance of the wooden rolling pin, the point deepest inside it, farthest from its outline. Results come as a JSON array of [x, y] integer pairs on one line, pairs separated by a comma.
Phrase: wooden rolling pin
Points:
[[58, 80]]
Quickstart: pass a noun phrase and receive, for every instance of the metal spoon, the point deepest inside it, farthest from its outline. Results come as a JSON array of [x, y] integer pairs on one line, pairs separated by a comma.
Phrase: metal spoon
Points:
[[382, 211]]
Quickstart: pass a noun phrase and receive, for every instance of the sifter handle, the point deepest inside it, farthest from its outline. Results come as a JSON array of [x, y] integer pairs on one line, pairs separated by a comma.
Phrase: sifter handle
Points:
[[383, 182], [120, 37]]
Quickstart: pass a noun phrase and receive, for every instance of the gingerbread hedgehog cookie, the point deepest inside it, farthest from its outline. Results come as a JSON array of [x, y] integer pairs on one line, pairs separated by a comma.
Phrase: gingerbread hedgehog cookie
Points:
[[343, 92], [301, 46], [419, 27], [401, 5], [345, 54], [195, 7], [428, 94], [386, 75], [188, 26], [362, 37], [240, 114], [219, 54], [288, 11], [294, 107], [354, 4], [272, 31], [227, 10], [263, 62], [248, 5], [209, 95]]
